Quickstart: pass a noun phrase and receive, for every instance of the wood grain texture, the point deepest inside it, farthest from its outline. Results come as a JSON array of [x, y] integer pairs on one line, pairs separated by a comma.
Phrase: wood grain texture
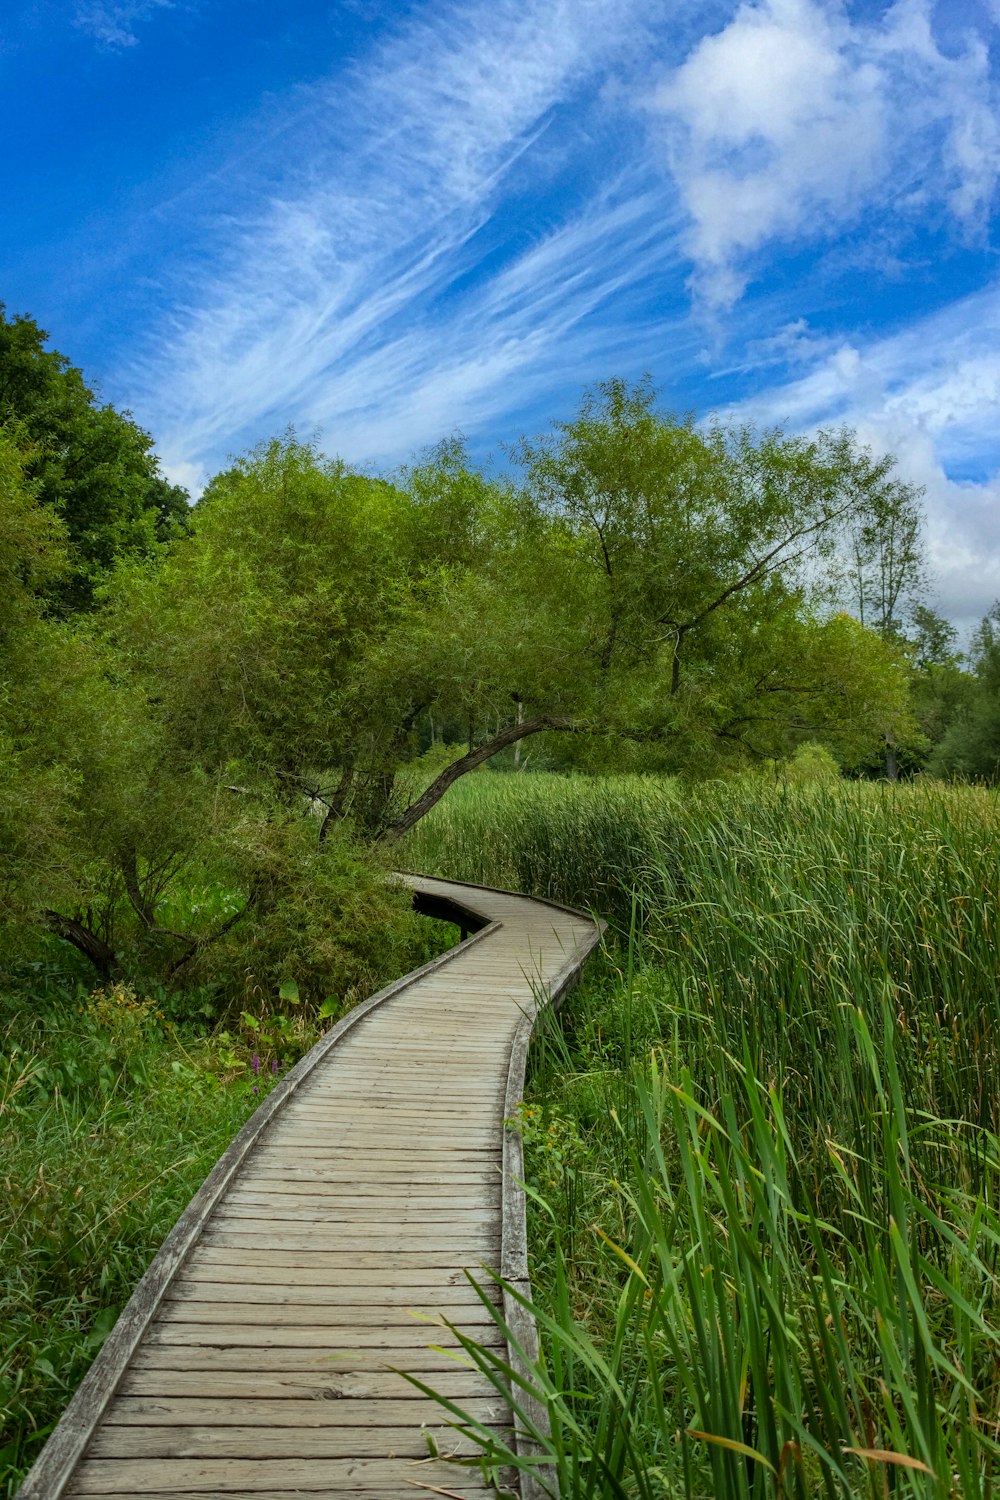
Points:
[[265, 1352]]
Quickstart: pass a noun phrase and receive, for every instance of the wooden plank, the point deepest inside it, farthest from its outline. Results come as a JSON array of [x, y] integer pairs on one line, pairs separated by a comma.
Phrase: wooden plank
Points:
[[415, 1115], [473, 1200], [461, 1488], [379, 1190], [473, 1139], [431, 1294], [322, 1268], [325, 1164], [446, 1237], [414, 1094], [359, 1440], [167, 1332], [295, 1412], [364, 1212], [227, 1476], [393, 1260], [282, 1315], [320, 1387], [466, 1484], [324, 1365], [391, 1143]]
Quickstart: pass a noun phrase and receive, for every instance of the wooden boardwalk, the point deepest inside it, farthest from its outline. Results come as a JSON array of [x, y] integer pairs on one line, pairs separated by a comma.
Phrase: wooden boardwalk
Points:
[[257, 1356]]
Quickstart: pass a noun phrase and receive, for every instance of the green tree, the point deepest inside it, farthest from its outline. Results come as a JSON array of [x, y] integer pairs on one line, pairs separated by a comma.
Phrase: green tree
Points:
[[646, 585], [259, 690], [43, 678], [970, 745], [92, 465], [887, 574]]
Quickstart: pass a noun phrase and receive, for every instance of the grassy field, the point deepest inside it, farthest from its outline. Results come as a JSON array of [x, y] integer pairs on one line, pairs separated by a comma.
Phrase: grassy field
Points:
[[761, 1139]]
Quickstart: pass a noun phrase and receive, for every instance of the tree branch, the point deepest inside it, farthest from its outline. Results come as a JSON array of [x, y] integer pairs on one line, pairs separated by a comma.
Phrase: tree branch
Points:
[[335, 806], [758, 570], [476, 757], [196, 944], [83, 940]]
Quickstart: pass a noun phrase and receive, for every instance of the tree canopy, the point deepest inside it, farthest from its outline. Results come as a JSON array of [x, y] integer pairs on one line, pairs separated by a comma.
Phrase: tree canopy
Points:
[[248, 707], [92, 465], [639, 583]]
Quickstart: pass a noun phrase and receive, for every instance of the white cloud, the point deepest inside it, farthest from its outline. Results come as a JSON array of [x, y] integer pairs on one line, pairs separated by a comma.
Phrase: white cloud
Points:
[[191, 477], [385, 292], [327, 306], [791, 122], [113, 22], [930, 394]]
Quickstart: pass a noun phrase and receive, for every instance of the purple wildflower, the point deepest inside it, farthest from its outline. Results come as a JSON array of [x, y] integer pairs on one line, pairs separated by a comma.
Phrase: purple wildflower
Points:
[[274, 1067], [256, 1065]]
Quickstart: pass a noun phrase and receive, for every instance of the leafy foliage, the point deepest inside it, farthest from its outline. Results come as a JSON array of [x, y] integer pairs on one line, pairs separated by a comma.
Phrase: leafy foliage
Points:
[[970, 745], [110, 1118], [92, 466]]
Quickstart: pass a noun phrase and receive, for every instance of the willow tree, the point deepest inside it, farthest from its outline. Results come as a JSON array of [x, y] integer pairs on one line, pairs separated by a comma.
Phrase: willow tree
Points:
[[639, 581], [670, 589], [260, 688]]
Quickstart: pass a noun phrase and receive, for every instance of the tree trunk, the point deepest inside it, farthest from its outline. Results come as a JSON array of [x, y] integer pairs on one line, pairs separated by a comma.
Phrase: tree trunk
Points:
[[891, 759], [84, 941], [512, 735], [337, 803]]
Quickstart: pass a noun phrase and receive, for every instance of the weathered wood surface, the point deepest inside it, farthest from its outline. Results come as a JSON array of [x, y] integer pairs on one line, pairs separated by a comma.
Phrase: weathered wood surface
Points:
[[258, 1357]]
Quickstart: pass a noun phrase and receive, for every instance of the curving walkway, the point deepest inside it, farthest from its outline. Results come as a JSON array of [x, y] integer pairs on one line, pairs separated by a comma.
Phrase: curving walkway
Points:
[[257, 1356]]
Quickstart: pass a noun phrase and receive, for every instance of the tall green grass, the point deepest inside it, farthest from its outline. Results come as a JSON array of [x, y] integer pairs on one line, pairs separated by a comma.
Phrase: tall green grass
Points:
[[762, 1142], [575, 839]]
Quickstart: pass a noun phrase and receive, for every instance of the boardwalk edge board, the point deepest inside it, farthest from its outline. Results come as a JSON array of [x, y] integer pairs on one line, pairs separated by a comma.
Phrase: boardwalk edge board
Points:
[[523, 1347], [70, 1440]]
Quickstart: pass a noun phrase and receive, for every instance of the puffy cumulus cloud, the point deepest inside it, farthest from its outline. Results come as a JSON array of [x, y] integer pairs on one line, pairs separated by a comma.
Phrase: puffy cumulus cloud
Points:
[[793, 121], [963, 517]]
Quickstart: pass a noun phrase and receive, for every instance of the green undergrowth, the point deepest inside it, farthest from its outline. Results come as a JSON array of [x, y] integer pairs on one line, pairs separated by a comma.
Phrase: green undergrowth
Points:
[[114, 1105], [762, 1145], [110, 1117]]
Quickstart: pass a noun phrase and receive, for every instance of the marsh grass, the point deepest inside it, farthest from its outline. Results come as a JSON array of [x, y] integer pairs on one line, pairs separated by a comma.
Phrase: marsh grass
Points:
[[761, 1141], [110, 1117]]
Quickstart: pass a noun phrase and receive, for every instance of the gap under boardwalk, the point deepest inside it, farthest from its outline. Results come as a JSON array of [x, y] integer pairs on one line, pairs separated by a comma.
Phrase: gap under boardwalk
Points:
[[267, 1366]]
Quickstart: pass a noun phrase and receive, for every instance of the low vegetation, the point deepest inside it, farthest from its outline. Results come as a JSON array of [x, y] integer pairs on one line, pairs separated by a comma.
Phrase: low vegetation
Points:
[[114, 1105], [761, 1140]]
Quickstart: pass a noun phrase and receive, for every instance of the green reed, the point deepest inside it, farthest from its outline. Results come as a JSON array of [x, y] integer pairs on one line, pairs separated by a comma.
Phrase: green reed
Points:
[[771, 1264]]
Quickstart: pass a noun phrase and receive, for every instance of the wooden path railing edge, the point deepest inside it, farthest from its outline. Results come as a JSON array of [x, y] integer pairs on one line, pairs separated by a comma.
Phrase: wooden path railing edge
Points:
[[53, 1468], [523, 1345]]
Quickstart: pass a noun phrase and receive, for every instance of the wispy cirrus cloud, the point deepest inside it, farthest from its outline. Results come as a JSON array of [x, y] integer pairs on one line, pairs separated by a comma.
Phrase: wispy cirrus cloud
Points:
[[389, 274], [113, 23], [477, 217]]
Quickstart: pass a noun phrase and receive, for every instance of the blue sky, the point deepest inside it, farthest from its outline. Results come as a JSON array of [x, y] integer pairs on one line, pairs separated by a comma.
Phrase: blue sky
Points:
[[383, 223]]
